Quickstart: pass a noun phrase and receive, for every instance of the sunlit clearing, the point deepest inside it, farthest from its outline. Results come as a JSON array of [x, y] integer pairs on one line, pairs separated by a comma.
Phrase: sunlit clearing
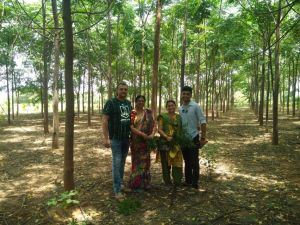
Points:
[[226, 171], [22, 129], [104, 151], [297, 122], [235, 125], [86, 214]]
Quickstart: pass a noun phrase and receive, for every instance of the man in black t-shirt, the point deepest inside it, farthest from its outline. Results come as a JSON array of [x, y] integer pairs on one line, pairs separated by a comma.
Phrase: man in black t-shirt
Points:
[[116, 131]]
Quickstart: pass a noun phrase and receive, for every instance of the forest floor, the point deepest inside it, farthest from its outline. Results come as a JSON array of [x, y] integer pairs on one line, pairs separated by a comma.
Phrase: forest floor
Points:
[[244, 178]]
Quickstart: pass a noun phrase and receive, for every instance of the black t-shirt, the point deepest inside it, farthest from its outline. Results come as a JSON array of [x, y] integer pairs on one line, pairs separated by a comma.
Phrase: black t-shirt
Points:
[[119, 118]]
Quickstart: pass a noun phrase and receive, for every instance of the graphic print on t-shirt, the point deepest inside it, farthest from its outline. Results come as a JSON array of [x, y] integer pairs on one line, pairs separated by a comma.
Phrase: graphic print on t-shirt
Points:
[[125, 114]]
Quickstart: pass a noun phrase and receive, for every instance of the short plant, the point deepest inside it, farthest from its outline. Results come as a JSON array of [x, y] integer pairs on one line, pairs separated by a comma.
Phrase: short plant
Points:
[[65, 199], [128, 206]]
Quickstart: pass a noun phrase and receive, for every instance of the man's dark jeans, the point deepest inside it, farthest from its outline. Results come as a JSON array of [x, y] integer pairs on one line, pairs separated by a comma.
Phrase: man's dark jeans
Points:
[[191, 160]]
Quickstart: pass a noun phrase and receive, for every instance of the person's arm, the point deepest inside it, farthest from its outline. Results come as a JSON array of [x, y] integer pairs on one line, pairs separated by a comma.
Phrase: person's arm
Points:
[[106, 141], [138, 132], [161, 132], [154, 128], [202, 125]]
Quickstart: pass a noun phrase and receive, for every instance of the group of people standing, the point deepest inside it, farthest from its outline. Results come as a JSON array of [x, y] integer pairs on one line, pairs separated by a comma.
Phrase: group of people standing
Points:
[[124, 126]]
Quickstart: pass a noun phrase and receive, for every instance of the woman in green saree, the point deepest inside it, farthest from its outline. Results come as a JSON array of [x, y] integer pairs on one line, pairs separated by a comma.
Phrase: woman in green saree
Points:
[[169, 124]]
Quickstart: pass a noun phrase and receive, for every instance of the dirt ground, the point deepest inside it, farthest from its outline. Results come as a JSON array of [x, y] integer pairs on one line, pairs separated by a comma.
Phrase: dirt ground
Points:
[[244, 178]]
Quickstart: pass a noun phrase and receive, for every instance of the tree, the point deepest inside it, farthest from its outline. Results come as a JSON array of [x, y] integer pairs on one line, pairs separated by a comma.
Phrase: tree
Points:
[[55, 77], [45, 69], [69, 124], [156, 58], [277, 76]]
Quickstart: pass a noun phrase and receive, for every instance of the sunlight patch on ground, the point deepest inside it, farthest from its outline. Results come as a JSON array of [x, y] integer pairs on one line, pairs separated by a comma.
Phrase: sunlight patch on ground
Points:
[[104, 151], [30, 182], [296, 122], [15, 139], [6, 190], [86, 215], [22, 129], [235, 125], [259, 139], [226, 170]]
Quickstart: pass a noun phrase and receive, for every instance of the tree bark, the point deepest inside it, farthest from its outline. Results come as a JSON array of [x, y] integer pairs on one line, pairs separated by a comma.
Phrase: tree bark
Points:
[[83, 88], [262, 87], [288, 90], [7, 91], [69, 124], [89, 90], [45, 71], [276, 78], [55, 135], [156, 58], [183, 52], [109, 52], [294, 88]]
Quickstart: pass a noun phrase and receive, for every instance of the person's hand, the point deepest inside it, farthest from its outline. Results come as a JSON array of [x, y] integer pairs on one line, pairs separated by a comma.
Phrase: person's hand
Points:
[[106, 143], [150, 136], [169, 138], [203, 141], [145, 136]]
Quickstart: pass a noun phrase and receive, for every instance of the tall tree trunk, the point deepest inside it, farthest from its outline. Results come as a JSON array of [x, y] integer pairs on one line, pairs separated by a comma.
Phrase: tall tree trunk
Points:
[[61, 93], [288, 90], [78, 93], [18, 102], [183, 52], [256, 84], [109, 51], [69, 124], [160, 95], [197, 91], [294, 89], [89, 90], [141, 73], [12, 93], [55, 135], [45, 69], [262, 87], [231, 92], [148, 88], [207, 71], [213, 85], [277, 77], [7, 91], [102, 92], [270, 78], [41, 93], [83, 89], [92, 94], [117, 50], [156, 58]]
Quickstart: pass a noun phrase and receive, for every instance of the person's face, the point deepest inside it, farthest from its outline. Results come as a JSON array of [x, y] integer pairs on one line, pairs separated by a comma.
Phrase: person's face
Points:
[[171, 107], [122, 91], [186, 96], [140, 103]]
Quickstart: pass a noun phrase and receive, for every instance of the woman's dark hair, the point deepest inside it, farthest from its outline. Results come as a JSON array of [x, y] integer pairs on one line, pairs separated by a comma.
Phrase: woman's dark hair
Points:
[[170, 100], [140, 96]]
